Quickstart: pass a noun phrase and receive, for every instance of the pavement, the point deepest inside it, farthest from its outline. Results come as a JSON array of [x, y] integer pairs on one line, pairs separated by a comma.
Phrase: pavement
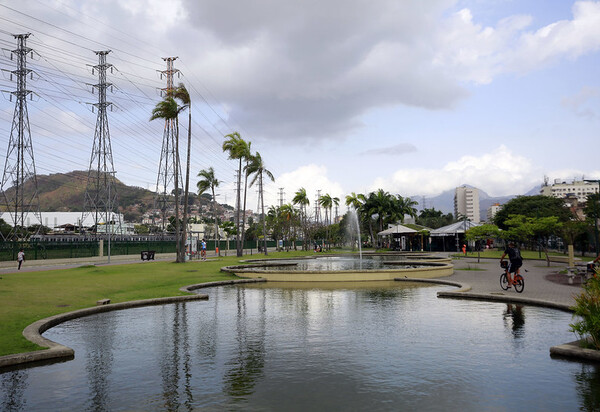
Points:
[[543, 284]]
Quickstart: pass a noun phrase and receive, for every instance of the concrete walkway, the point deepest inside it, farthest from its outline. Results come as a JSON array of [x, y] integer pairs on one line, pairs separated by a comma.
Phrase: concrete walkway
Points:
[[539, 289]]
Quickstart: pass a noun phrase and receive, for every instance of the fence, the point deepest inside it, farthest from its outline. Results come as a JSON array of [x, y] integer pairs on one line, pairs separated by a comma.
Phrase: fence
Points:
[[39, 249]]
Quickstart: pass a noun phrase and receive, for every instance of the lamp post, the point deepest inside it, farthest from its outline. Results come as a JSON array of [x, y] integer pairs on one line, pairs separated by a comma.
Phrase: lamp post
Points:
[[597, 212]]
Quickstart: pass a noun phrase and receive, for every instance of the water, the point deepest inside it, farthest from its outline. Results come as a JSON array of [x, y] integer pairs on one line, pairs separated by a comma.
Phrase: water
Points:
[[356, 225], [371, 346], [339, 263]]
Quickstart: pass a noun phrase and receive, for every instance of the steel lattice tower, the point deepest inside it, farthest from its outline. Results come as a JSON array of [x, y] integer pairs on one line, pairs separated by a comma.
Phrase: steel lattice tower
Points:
[[19, 166], [169, 169], [101, 194]]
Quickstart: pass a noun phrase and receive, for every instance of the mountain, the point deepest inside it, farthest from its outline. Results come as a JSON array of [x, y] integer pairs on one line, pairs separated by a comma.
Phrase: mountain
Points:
[[65, 192], [445, 200]]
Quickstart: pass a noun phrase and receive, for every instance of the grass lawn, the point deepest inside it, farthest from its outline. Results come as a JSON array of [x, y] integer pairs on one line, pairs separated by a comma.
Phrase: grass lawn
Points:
[[26, 297]]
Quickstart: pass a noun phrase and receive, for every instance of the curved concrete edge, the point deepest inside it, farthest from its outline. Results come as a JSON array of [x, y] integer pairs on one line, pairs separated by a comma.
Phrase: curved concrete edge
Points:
[[462, 287], [573, 350], [504, 298], [190, 288], [58, 352]]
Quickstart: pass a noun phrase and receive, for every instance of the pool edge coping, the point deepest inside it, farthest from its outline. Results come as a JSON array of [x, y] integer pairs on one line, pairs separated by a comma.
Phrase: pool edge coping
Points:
[[57, 352]]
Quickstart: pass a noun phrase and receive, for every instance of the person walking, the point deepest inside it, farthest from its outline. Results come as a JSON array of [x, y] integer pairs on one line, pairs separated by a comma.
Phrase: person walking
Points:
[[20, 258]]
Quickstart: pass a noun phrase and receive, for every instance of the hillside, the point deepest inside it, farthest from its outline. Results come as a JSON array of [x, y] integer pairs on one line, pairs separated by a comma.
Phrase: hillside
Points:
[[64, 192]]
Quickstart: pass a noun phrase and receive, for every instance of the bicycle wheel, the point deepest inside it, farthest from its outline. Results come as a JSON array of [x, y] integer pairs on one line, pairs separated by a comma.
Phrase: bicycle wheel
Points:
[[503, 281], [519, 283]]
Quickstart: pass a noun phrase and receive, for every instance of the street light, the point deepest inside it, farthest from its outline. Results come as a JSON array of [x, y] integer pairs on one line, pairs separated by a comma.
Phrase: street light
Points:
[[597, 212]]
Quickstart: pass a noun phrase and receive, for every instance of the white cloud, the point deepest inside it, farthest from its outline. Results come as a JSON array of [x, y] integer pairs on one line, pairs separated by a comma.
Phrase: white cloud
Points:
[[475, 53], [500, 172], [312, 177]]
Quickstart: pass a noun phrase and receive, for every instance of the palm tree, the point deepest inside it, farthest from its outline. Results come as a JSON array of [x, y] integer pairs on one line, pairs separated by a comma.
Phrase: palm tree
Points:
[[168, 109], [209, 181], [301, 199], [181, 94], [326, 202], [257, 168], [237, 149]]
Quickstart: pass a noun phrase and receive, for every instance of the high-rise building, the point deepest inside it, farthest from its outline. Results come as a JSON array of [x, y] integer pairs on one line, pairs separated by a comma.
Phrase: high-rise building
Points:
[[466, 203]]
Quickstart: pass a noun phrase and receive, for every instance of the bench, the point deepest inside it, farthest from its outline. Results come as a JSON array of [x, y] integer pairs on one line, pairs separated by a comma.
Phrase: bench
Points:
[[147, 254], [102, 302]]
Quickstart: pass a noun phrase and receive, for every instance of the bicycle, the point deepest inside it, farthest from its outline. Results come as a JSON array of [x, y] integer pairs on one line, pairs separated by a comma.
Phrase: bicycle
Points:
[[518, 280]]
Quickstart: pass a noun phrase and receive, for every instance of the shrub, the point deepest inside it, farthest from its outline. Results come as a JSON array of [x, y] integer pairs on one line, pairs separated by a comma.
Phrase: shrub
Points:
[[587, 307]]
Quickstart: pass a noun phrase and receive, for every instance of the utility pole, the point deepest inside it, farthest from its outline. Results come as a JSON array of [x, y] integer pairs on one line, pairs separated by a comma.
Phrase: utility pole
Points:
[[169, 170], [100, 193], [281, 196], [19, 166], [318, 207]]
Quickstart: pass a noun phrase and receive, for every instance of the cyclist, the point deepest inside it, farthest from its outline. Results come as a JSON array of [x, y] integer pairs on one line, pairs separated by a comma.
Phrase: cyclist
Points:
[[516, 261]]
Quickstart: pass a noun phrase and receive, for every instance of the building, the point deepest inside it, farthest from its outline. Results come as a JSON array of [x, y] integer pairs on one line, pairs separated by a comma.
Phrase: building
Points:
[[466, 203], [59, 221], [563, 189], [492, 210]]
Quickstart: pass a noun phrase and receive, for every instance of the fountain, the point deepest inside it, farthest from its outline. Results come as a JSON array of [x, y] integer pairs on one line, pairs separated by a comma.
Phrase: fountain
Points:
[[355, 224], [346, 268]]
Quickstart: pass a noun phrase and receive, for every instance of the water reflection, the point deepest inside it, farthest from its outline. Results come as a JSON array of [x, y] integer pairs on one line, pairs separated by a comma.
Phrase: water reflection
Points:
[[588, 387], [99, 361], [360, 346], [248, 359], [515, 318], [13, 386]]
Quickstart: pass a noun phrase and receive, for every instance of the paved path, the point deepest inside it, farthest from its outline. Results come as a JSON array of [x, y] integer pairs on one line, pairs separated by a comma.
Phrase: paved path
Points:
[[538, 289], [484, 283]]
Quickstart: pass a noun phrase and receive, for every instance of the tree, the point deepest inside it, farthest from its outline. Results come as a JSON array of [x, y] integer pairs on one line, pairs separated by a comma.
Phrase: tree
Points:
[[180, 93], [209, 181], [326, 202], [521, 229], [434, 218], [481, 233], [230, 229], [533, 206], [237, 149], [168, 109], [257, 168], [301, 198]]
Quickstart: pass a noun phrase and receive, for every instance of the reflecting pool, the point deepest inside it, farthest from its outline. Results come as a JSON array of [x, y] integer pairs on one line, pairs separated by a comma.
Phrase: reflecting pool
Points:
[[348, 262], [365, 346]]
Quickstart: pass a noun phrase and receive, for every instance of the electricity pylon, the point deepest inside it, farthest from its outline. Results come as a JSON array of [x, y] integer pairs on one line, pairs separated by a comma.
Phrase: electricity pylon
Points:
[[101, 194], [169, 169], [19, 167]]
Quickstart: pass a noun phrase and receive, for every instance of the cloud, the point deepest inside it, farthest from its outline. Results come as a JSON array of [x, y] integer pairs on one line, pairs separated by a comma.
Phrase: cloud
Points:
[[399, 149], [500, 172], [473, 53], [312, 177], [580, 102]]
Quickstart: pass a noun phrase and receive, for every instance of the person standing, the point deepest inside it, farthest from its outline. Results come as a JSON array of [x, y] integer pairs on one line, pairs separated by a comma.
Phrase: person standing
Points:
[[20, 258], [203, 250], [516, 261]]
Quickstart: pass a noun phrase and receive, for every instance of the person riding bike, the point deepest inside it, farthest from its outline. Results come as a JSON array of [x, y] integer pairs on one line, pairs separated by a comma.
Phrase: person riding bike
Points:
[[516, 261]]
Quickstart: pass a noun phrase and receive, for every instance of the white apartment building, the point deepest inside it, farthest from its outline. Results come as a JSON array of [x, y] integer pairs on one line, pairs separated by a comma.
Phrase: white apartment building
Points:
[[492, 210], [562, 189], [466, 203]]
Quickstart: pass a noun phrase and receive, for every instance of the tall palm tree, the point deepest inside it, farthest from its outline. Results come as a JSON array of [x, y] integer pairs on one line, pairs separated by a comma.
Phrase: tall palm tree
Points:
[[301, 198], [257, 168], [237, 149], [326, 202], [209, 181], [169, 110], [180, 93], [247, 156]]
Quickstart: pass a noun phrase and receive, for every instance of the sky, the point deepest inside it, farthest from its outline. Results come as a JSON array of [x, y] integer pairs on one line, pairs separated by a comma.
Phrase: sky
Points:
[[409, 96]]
